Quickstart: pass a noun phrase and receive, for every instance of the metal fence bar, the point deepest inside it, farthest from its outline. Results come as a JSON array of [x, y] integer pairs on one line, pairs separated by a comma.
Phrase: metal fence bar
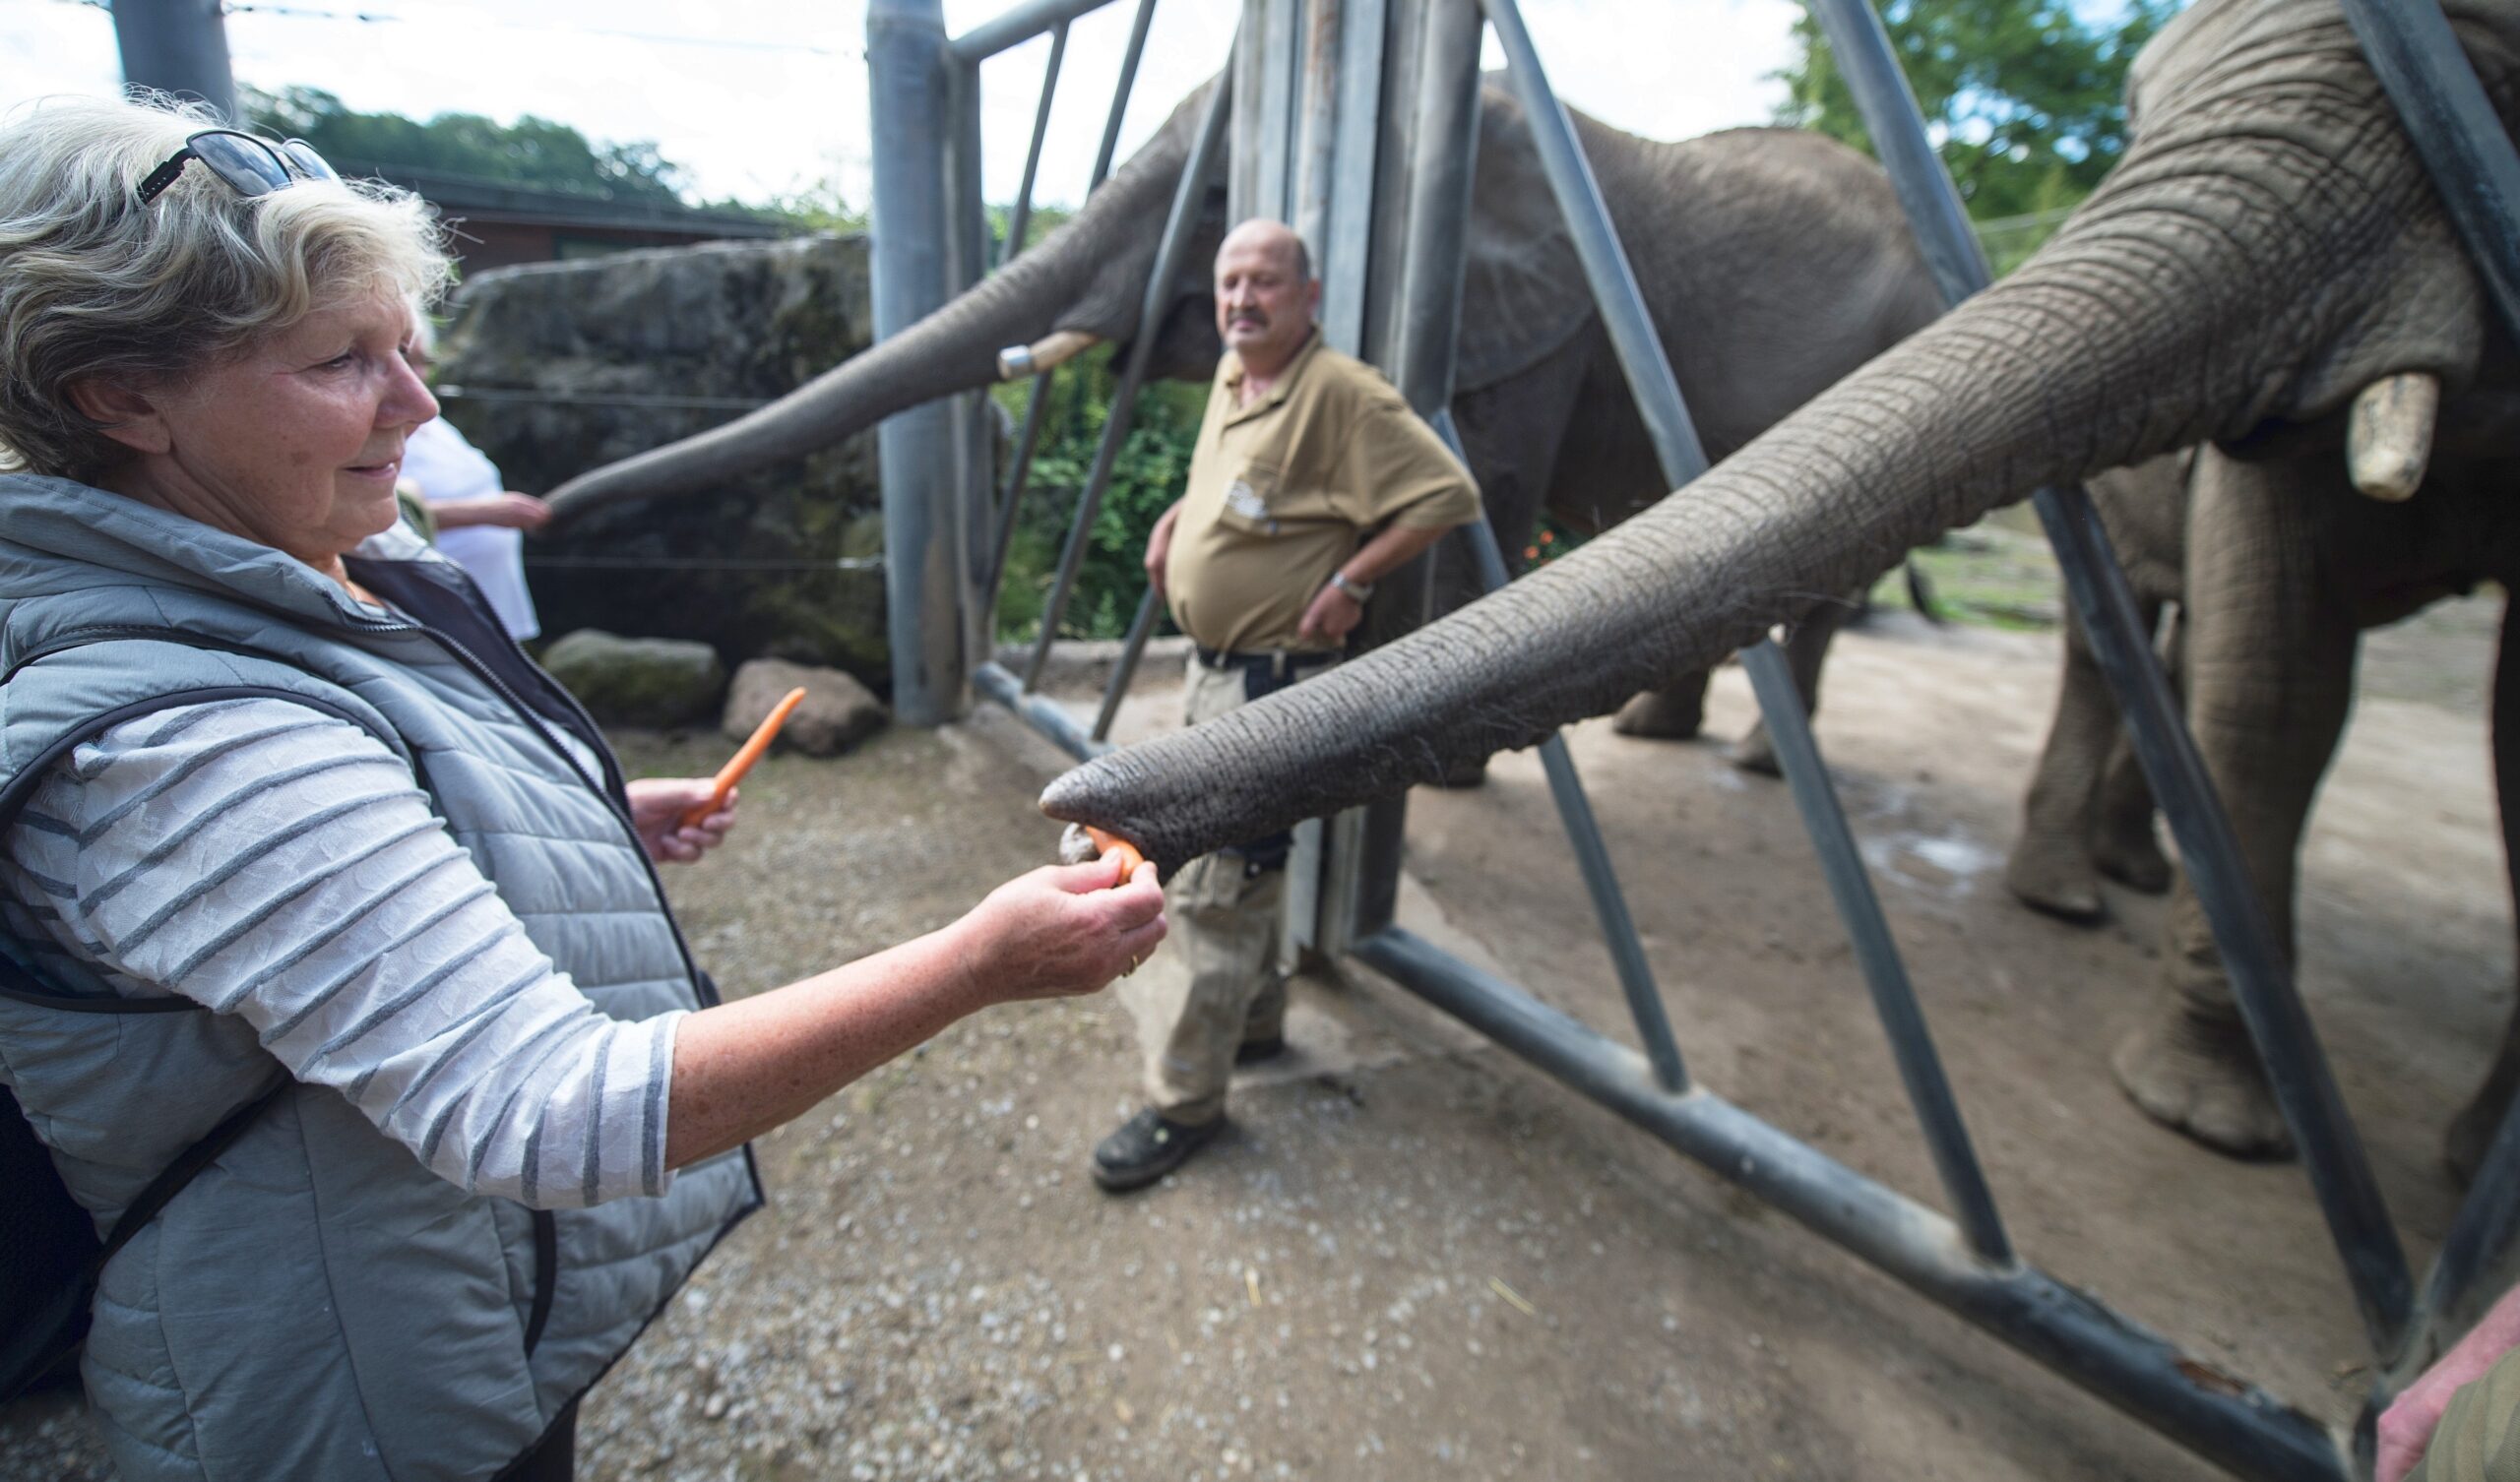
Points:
[[1178, 230], [2261, 978], [1592, 856], [2456, 132], [1683, 457], [2239, 1427], [1120, 95], [1016, 27], [1047, 716], [1894, 998], [911, 263], [1021, 217], [1131, 651]]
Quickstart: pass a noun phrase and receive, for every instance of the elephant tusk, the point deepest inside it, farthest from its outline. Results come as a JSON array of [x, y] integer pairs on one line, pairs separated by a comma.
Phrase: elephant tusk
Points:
[[2388, 438], [1046, 353]]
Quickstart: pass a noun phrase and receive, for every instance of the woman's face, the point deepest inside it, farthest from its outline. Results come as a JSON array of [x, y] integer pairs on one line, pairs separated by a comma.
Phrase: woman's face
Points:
[[296, 443]]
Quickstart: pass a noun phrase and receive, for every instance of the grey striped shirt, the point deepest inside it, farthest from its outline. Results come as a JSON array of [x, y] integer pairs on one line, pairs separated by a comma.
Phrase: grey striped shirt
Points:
[[277, 863]]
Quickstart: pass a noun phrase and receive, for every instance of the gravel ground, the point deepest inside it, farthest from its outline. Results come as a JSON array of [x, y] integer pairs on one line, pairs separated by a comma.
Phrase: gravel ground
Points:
[[1411, 1258]]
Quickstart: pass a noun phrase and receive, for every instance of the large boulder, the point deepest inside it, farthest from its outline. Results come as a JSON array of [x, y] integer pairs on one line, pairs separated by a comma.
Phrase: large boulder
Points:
[[554, 368], [657, 682], [836, 713]]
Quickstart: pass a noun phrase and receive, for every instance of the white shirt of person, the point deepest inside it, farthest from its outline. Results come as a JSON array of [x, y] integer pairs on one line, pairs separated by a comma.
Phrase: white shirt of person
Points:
[[444, 468]]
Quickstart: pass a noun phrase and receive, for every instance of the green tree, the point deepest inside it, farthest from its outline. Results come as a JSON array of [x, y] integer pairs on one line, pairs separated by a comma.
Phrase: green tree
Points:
[[2026, 98], [532, 151]]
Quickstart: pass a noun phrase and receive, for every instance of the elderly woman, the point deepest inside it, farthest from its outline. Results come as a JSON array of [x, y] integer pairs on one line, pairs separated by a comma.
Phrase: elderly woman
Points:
[[263, 759]]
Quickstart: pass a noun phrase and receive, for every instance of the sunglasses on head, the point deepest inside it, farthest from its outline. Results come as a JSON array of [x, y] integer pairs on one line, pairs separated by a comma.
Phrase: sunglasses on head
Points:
[[251, 166]]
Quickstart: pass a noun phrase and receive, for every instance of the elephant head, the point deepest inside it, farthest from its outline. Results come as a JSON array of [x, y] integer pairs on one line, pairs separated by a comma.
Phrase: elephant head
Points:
[[2268, 250], [1085, 283]]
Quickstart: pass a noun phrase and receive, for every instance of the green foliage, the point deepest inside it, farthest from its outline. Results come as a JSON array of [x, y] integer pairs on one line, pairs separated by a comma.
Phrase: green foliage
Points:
[[1145, 478], [2025, 98], [532, 151]]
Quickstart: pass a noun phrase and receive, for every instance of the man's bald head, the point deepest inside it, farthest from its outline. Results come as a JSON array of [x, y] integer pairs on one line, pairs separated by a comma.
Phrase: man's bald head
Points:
[[1265, 297]]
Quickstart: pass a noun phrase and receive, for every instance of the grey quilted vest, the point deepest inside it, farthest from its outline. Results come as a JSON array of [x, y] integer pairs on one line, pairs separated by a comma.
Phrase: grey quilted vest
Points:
[[316, 1302]]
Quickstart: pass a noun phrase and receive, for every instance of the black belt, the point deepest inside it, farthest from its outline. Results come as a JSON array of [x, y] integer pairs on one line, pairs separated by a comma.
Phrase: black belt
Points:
[[1278, 662]]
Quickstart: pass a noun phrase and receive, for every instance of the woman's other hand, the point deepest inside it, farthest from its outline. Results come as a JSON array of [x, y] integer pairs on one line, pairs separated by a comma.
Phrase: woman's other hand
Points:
[[1061, 930], [656, 807]]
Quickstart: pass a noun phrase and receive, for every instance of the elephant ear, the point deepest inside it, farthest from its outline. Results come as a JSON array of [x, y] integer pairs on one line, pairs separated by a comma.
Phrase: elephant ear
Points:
[[1522, 275]]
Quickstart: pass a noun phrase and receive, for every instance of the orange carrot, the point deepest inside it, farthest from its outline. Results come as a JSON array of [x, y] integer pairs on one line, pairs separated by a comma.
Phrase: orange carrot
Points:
[[1112, 843], [745, 754]]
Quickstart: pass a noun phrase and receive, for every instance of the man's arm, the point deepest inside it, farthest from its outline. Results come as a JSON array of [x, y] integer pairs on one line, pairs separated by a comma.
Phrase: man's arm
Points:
[[2408, 1423], [1158, 546], [1333, 612]]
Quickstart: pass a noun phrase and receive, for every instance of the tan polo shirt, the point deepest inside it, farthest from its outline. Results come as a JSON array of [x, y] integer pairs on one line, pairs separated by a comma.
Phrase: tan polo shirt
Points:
[[1284, 490]]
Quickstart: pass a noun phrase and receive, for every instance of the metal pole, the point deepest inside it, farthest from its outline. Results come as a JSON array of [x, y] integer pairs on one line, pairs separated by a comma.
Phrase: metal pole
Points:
[[1130, 652], [1178, 230], [1021, 217], [1418, 262], [1047, 716], [1120, 95], [1017, 26], [177, 47], [2261, 977], [2237, 1426], [910, 90], [1037, 404], [1592, 856], [2456, 132], [1683, 458], [1894, 998]]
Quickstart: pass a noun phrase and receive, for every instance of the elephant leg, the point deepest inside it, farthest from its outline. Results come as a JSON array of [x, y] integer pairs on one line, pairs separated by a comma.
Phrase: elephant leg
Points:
[[2465, 1144], [2050, 869], [1805, 654], [2270, 676], [2124, 846], [1673, 713]]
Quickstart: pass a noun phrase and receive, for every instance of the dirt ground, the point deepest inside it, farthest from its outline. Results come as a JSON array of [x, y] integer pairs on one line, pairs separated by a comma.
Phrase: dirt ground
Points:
[[1413, 1258]]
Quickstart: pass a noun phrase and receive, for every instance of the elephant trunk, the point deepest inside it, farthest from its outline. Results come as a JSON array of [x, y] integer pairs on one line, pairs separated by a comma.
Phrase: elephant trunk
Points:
[[2155, 320], [1085, 278]]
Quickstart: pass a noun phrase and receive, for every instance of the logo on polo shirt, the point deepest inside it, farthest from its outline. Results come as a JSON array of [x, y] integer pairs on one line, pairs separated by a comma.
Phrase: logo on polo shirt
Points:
[[1245, 501]]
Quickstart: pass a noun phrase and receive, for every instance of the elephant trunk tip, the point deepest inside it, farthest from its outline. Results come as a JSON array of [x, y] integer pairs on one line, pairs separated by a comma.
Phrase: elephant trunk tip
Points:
[[1090, 796]]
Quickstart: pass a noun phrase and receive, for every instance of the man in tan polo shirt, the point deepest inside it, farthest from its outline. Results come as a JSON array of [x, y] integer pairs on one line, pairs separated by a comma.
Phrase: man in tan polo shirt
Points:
[[1311, 479]]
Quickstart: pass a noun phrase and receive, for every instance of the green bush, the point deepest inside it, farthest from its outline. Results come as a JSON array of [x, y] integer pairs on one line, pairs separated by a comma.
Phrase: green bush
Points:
[[1147, 476]]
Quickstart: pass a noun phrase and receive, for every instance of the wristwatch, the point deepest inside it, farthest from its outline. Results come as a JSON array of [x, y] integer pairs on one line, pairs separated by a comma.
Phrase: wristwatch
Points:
[[1361, 591]]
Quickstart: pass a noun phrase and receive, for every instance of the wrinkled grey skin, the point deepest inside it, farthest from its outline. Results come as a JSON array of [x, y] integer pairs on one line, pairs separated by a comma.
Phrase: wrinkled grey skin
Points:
[[1774, 262], [2268, 247]]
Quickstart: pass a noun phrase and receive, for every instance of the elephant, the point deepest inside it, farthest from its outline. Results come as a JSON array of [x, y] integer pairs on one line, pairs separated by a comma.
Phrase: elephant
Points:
[[2267, 268], [1774, 262]]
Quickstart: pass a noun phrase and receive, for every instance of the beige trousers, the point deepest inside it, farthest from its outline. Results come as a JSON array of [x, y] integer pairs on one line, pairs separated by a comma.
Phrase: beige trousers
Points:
[[1224, 932]]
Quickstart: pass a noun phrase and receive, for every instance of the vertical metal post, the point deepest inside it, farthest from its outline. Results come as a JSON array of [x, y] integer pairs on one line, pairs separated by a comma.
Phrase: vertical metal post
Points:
[[1178, 228], [1419, 337], [910, 92], [1591, 853], [1120, 95], [2261, 977], [1683, 457], [178, 46], [1021, 217], [1317, 136]]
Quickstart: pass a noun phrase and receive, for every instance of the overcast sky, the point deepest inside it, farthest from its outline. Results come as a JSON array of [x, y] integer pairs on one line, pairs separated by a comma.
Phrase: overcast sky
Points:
[[768, 96]]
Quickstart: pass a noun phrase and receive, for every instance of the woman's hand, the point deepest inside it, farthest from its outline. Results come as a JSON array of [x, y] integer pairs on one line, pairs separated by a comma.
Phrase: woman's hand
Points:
[[656, 807], [1059, 931]]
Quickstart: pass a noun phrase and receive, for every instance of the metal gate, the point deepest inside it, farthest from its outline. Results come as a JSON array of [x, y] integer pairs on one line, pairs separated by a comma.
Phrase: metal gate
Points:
[[1356, 120]]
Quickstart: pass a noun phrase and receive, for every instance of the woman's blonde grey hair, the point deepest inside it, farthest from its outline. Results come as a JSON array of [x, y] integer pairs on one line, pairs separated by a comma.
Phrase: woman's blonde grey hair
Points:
[[93, 285]]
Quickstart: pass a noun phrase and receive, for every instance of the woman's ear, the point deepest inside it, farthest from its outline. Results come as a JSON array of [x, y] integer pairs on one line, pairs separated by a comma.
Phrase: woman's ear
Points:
[[127, 415]]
